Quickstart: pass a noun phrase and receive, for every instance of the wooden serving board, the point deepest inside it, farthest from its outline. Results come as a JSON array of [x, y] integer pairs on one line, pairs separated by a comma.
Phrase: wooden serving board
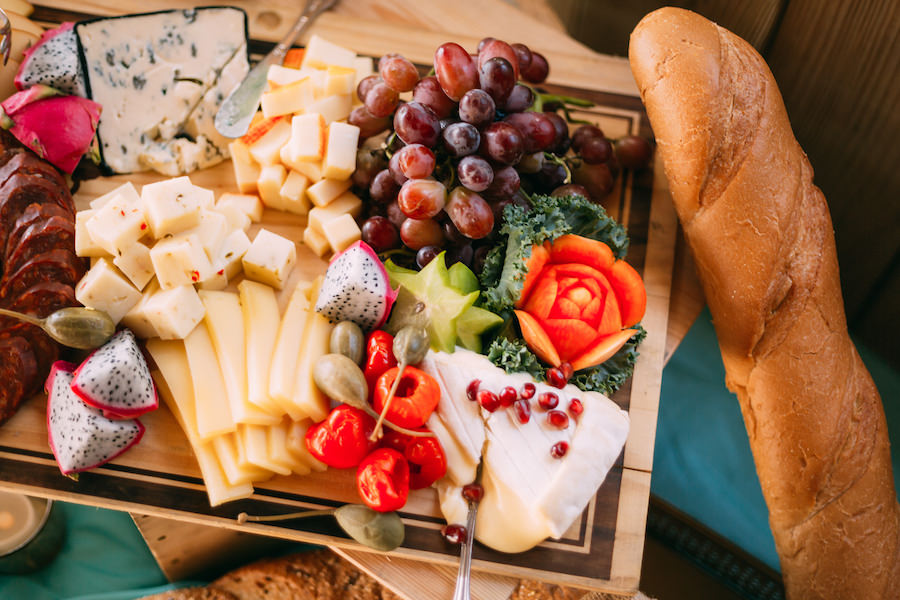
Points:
[[603, 548]]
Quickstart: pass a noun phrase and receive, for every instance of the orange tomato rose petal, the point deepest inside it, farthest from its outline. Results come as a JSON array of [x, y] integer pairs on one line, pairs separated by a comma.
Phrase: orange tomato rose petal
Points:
[[534, 266], [590, 314], [565, 309], [630, 291], [603, 350], [542, 297], [580, 296], [576, 249], [570, 337], [611, 318], [537, 339]]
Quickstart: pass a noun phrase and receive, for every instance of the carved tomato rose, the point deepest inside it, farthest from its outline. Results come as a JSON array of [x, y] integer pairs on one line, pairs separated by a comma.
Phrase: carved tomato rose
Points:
[[578, 302]]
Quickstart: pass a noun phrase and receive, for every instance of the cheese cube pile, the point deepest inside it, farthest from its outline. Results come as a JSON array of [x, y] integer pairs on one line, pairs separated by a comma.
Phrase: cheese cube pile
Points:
[[299, 152], [241, 388], [151, 252]]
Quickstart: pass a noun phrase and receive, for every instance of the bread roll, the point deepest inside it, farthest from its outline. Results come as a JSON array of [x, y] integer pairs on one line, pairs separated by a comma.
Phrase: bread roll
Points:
[[763, 243]]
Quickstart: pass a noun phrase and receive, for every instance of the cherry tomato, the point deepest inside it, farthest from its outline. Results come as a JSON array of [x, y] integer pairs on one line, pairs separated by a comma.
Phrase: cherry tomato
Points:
[[427, 462], [379, 356], [382, 480], [415, 399], [342, 439]]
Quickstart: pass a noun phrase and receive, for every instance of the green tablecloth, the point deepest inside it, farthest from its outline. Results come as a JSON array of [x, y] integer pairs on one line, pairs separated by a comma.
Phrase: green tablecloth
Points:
[[702, 466]]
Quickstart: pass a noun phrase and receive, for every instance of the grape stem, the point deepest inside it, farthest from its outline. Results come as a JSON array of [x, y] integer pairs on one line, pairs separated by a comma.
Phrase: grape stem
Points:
[[387, 143], [560, 161]]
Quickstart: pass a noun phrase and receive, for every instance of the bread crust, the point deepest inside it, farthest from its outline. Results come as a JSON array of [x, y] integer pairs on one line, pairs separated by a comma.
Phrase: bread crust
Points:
[[763, 242]]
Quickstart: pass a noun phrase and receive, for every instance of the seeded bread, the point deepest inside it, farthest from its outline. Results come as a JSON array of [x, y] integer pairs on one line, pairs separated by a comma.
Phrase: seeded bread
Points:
[[762, 238]]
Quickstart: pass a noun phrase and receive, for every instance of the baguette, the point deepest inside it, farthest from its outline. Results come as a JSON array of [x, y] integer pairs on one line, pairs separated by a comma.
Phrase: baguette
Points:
[[762, 239]]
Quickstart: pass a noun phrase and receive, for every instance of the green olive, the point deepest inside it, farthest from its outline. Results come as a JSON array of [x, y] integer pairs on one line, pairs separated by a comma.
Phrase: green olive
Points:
[[348, 339], [341, 379], [410, 345]]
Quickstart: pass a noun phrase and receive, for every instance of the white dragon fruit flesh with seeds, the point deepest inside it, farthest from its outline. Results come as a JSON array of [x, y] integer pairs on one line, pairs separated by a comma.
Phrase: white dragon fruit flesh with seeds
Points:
[[356, 288], [53, 60], [116, 379], [81, 438]]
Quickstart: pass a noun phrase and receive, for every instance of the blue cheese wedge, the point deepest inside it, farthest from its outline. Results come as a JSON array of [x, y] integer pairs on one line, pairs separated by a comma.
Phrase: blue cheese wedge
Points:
[[160, 78]]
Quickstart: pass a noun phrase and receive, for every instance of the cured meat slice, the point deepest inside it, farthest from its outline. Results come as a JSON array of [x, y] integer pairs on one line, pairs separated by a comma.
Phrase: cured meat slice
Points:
[[60, 265], [32, 214], [29, 164], [40, 237], [19, 372], [21, 190]]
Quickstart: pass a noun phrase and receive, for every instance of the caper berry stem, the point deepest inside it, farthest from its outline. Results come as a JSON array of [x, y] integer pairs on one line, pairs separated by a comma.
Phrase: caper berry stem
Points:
[[378, 432], [245, 518], [22, 317]]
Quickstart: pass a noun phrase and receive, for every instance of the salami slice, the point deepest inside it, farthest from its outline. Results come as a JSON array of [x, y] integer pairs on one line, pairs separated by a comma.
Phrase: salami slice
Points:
[[19, 373], [21, 190], [32, 214], [40, 237], [60, 265], [29, 164]]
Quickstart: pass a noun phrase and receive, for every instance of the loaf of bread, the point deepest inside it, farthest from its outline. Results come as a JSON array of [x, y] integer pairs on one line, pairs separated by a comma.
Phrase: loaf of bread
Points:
[[762, 239]]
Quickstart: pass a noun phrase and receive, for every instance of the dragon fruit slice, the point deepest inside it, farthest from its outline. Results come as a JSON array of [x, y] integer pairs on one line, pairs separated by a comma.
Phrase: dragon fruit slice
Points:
[[53, 60], [356, 288], [81, 438], [116, 379], [57, 128]]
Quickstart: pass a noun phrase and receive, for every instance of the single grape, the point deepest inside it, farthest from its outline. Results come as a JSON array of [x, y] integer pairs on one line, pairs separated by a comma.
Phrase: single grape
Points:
[[426, 254], [461, 139], [538, 70], [368, 125], [460, 253], [366, 84], [415, 161], [531, 163], [475, 173], [596, 150], [520, 98], [503, 50], [497, 77], [418, 233], [561, 143], [477, 108], [422, 198], [538, 132], [380, 233], [452, 233], [381, 100], [417, 124], [428, 92], [368, 164], [470, 213], [394, 214], [498, 206], [596, 179], [483, 43], [523, 53], [396, 171], [633, 152], [455, 70], [385, 57], [551, 175], [506, 183], [383, 188], [583, 134], [398, 72], [571, 189], [502, 142]]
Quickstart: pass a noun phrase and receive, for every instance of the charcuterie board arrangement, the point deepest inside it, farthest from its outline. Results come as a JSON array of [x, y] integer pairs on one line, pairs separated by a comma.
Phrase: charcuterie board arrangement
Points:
[[403, 289]]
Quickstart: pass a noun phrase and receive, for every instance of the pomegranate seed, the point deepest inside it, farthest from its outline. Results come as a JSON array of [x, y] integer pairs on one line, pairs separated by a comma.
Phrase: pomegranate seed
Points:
[[567, 370], [473, 492], [575, 407], [523, 411], [548, 400], [488, 400], [472, 389], [455, 534], [528, 390], [558, 419], [556, 378], [508, 395], [559, 449]]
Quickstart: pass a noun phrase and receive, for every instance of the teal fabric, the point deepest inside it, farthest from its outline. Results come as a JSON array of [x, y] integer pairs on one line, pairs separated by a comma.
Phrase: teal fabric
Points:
[[702, 462], [702, 466]]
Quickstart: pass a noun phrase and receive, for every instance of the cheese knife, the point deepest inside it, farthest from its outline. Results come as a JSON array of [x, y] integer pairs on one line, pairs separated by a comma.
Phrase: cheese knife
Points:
[[236, 112]]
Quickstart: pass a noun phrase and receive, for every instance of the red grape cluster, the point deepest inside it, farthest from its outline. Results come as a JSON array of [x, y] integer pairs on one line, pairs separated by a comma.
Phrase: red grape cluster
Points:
[[461, 149]]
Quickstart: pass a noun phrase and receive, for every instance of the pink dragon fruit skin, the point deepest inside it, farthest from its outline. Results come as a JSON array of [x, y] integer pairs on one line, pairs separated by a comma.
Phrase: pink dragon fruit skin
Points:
[[356, 288], [115, 378], [57, 128], [80, 437]]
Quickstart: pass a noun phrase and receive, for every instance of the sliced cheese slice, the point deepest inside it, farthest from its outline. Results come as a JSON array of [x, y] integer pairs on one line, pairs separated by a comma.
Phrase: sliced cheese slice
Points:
[[237, 474], [211, 404], [296, 445], [279, 453], [261, 320], [306, 396], [282, 373], [256, 442]]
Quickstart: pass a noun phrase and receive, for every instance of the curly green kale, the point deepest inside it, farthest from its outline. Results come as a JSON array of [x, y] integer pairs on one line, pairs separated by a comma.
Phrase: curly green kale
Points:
[[514, 357]]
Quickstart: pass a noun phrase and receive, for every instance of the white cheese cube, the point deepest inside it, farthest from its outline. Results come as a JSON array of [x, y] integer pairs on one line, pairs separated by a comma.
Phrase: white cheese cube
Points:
[[271, 178], [288, 99], [104, 288], [216, 282], [308, 136], [173, 205], [347, 203], [235, 218], [180, 260], [126, 190], [137, 320], [230, 253], [270, 259], [246, 170], [175, 312], [312, 169], [211, 230], [332, 108], [118, 224], [249, 204], [316, 241], [340, 80], [135, 264], [84, 243], [265, 150], [293, 193], [279, 75], [363, 66], [341, 232], [320, 53], [323, 193], [340, 157]]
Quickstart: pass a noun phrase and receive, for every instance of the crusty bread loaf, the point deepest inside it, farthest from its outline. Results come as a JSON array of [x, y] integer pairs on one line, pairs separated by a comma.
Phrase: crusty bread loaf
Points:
[[763, 243]]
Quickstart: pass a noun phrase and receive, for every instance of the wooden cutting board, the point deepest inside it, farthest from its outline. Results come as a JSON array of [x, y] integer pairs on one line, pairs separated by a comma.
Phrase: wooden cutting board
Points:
[[160, 476]]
